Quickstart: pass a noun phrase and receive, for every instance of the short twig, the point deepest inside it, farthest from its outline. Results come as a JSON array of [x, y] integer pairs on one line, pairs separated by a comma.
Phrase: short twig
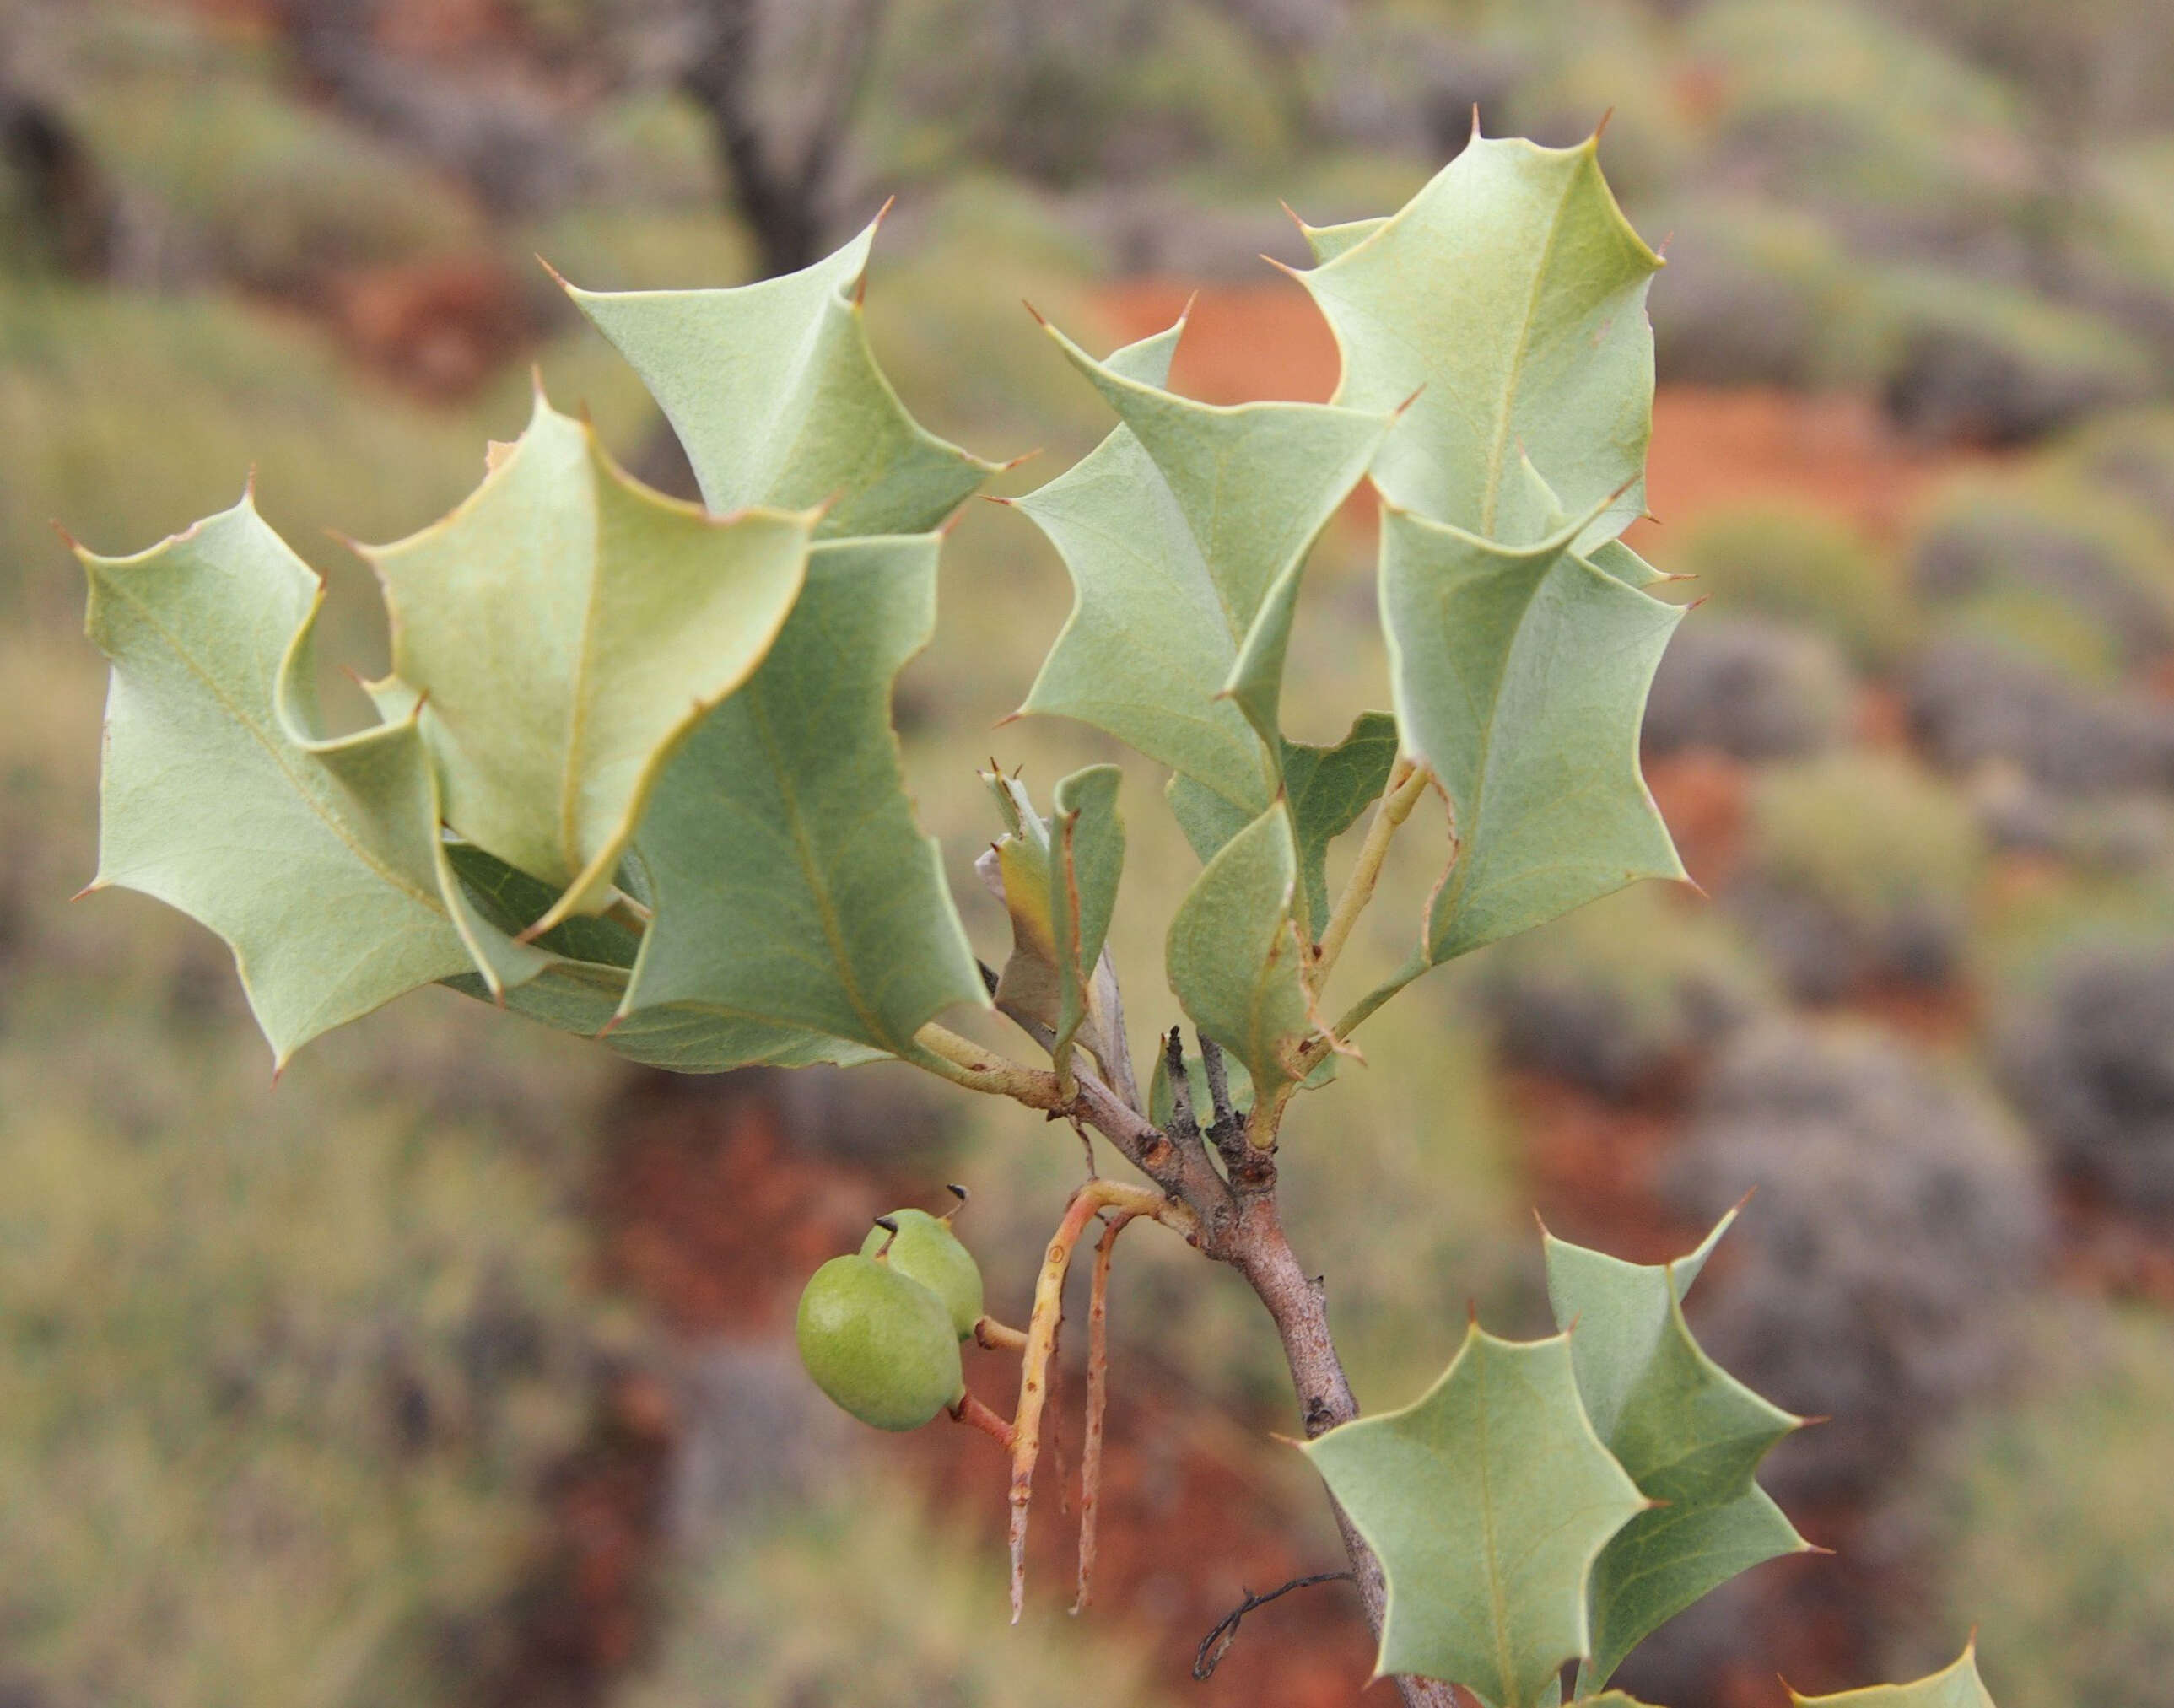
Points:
[[972, 1413], [1217, 1643], [1181, 1119]]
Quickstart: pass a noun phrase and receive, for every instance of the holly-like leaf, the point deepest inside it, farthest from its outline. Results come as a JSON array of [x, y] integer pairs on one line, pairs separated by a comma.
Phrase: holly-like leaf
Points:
[[1186, 533], [1691, 1436], [317, 860], [775, 392], [566, 629], [1487, 1501], [1057, 879], [1510, 294], [1235, 957], [793, 892], [1520, 677], [582, 990], [1328, 788], [1958, 1686]]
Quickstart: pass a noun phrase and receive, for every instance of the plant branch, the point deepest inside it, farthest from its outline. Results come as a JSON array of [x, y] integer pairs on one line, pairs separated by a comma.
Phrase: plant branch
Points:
[[1407, 783]]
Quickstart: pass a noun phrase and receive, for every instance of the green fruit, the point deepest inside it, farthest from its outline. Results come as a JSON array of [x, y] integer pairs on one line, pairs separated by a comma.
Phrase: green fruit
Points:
[[927, 1249], [879, 1343]]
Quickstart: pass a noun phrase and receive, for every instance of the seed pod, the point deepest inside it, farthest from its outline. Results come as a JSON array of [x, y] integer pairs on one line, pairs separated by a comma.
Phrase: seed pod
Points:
[[879, 1343], [925, 1248]]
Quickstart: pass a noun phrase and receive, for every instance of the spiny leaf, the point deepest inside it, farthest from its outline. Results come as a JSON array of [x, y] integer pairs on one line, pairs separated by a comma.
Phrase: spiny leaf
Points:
[[1234, 955], [775, 392], [1510, 294], [1059, 882], [1487, 1501], [793, 891], [582, 990], [1521, 677], [1328, 788], [566, 629], [317, 860], [1186, 533], [1958, 1686], [1691, 1436]]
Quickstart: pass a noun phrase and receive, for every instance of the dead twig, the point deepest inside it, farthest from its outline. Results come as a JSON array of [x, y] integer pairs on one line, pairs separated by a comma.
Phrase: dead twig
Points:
[[1217, 1643]]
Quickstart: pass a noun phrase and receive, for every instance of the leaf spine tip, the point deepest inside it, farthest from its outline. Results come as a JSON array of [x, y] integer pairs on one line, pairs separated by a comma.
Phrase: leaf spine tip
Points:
[[91, 888], [67, 539], [1601, 129], [1283, 267], [996, 498], [559, 278], [1009, 717], [610, 1026], [1293, 213], [1038, 319], [1475, 122]]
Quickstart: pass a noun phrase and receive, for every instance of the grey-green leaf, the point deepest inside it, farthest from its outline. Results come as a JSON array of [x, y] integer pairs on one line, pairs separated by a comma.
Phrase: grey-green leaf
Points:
[[566, 629], [1691, 1436], [1235, 957], [1958, 1686], [1520, 677], [1057, 879], [582, 990], [792, 887], [1186, 533], [317, 860], [1329, 787], [775, 392], [1487, 1501], [1509, 294]]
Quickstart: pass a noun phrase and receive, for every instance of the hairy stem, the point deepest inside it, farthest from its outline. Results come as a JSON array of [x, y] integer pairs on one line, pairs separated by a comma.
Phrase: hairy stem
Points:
[[1407, 783]]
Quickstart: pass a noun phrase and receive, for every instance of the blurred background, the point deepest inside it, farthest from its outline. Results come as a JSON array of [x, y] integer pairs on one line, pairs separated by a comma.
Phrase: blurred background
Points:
[[457, 1370]]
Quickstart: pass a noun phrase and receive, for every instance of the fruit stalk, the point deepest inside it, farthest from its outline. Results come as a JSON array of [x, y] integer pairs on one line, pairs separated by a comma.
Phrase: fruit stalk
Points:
[[1098, 1397], [1088, 1203]]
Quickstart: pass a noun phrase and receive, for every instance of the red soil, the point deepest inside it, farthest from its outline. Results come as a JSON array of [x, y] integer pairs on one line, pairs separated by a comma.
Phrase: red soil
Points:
[[1712, 448]]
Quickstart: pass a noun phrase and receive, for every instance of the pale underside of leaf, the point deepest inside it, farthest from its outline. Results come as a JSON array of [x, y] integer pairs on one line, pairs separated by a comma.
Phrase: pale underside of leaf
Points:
[[790, 882], [774, 392], [1487, 1502], [1509, 293], [567, 628], [317, 860]]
